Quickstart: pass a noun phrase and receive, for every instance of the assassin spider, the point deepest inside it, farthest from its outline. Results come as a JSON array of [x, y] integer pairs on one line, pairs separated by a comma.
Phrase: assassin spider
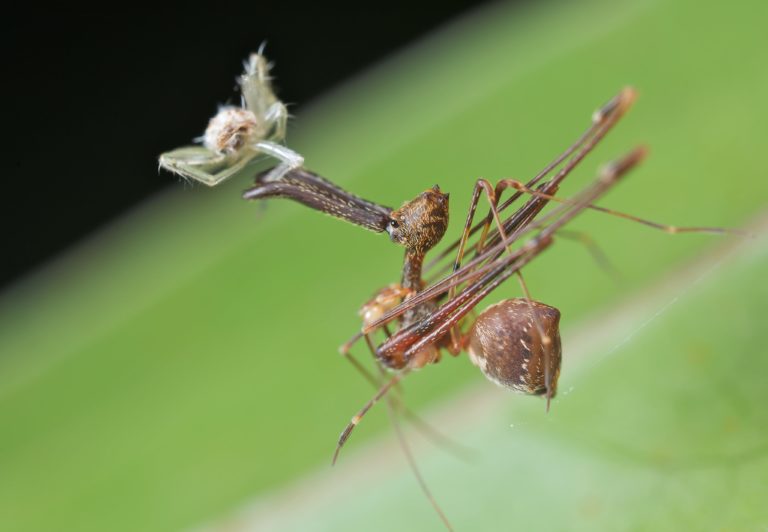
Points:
[[516, 342]]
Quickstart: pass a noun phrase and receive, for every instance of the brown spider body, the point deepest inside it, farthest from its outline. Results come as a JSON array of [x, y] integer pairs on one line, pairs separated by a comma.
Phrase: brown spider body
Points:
[[517, 357], [516, 342]]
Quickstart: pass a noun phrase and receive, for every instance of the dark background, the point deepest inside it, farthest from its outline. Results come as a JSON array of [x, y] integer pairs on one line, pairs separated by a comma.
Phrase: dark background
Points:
[[91, 99]]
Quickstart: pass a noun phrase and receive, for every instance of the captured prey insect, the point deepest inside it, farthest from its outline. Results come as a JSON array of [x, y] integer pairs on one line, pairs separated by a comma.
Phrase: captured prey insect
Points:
[[235, 136]]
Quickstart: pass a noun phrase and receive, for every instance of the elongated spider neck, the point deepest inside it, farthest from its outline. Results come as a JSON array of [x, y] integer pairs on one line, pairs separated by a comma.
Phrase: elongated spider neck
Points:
[[414, 259], [412, 281]]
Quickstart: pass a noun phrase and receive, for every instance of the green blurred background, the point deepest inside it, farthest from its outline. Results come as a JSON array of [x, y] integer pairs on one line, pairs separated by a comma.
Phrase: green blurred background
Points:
[[181, 365]]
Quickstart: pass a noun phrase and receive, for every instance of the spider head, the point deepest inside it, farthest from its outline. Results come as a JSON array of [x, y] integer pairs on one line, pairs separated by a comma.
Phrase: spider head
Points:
[[420, 223]]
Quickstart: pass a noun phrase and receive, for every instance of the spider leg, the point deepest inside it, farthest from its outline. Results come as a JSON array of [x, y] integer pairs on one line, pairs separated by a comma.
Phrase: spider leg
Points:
[[412, 461], [428, 431], [435, 326], [347, 346], [520, 222], [481, 185], [289, 159], [277, 114], [602, 121], [546, 340], [359, 416], [598, 255], [256, 86], [670, 229], [200, 164]]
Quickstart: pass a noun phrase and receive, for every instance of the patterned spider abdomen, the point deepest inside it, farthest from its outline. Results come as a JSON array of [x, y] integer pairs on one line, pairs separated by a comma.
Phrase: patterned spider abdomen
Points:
[[506, 344]]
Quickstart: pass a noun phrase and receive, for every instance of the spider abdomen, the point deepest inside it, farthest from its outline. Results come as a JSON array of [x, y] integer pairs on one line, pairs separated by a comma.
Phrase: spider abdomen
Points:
[[506, 343]]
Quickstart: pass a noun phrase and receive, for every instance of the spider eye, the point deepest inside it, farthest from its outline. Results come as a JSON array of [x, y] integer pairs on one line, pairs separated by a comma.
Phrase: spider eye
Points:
[[394, 224]]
